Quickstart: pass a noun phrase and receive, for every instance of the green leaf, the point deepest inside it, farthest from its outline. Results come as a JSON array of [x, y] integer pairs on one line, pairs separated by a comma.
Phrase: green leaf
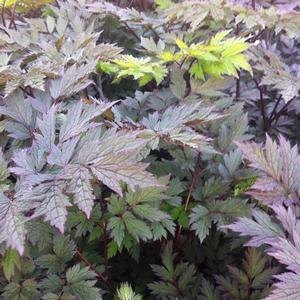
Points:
[[197, 71], [63, 247], [52, 283], [181, 44], [163, 4], [116, 225], [240, 62], [27, 290], [145, 79], [175, 280], [200, 221], [138, 229], [148, 212], [11, 262], [112, 249], [125, 292], [216, 39], [106, 67], [208, 291], [167, 56], [80, 283], [63, 251], [183, 219]]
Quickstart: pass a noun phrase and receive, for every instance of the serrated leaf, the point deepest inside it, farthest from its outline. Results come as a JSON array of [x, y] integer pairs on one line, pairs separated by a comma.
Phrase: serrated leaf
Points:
[[262, 230], [81, 187], [113, 168], [163, 4], [81, 285], [117, 227], [137, 228], [181, 44], [208, 291], [12, 223], [200, 222], [27, 290], [72, 81], [10, 263], [287, 288], [53, 203]]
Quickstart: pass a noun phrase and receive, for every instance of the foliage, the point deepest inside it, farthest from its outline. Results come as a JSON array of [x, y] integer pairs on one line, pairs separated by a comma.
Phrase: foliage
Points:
[[218, 57], [25, 5], [143, 144], [176, 280], [250, 282], [277, 188], [125, 292]]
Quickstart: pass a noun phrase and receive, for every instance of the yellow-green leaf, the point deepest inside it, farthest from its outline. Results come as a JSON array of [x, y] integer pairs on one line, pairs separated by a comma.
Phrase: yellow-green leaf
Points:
[[181, 44], [163, 4], [167, 56], [237, 48], [240, 62], [219, 37], [145, 79], [197, 71]]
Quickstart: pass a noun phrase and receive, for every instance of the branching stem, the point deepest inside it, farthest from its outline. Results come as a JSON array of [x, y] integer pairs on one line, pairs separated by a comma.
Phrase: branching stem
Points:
[[191, 188], [281, 111], [261, 104], [274, 109]]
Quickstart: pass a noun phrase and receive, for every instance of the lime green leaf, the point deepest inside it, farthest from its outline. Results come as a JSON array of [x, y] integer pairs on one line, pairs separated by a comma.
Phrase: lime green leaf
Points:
[[197, 71], [163, 4], [219, 37], [167, 56], [181, 44], [145, 79], [106, 67], [240, 62], [236, 48], [159, 74]]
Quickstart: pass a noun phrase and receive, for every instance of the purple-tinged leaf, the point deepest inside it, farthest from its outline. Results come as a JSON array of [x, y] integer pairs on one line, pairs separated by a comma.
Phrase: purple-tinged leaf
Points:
[[51, 202], [261, 230], [280, 167], [288, 287], [286, 217], [287, 252], [80, 186], [12, 223]]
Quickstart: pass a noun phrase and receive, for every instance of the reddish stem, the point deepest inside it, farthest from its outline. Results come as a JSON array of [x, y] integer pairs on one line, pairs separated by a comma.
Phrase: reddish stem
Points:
[[86, 262], [191, 188]]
